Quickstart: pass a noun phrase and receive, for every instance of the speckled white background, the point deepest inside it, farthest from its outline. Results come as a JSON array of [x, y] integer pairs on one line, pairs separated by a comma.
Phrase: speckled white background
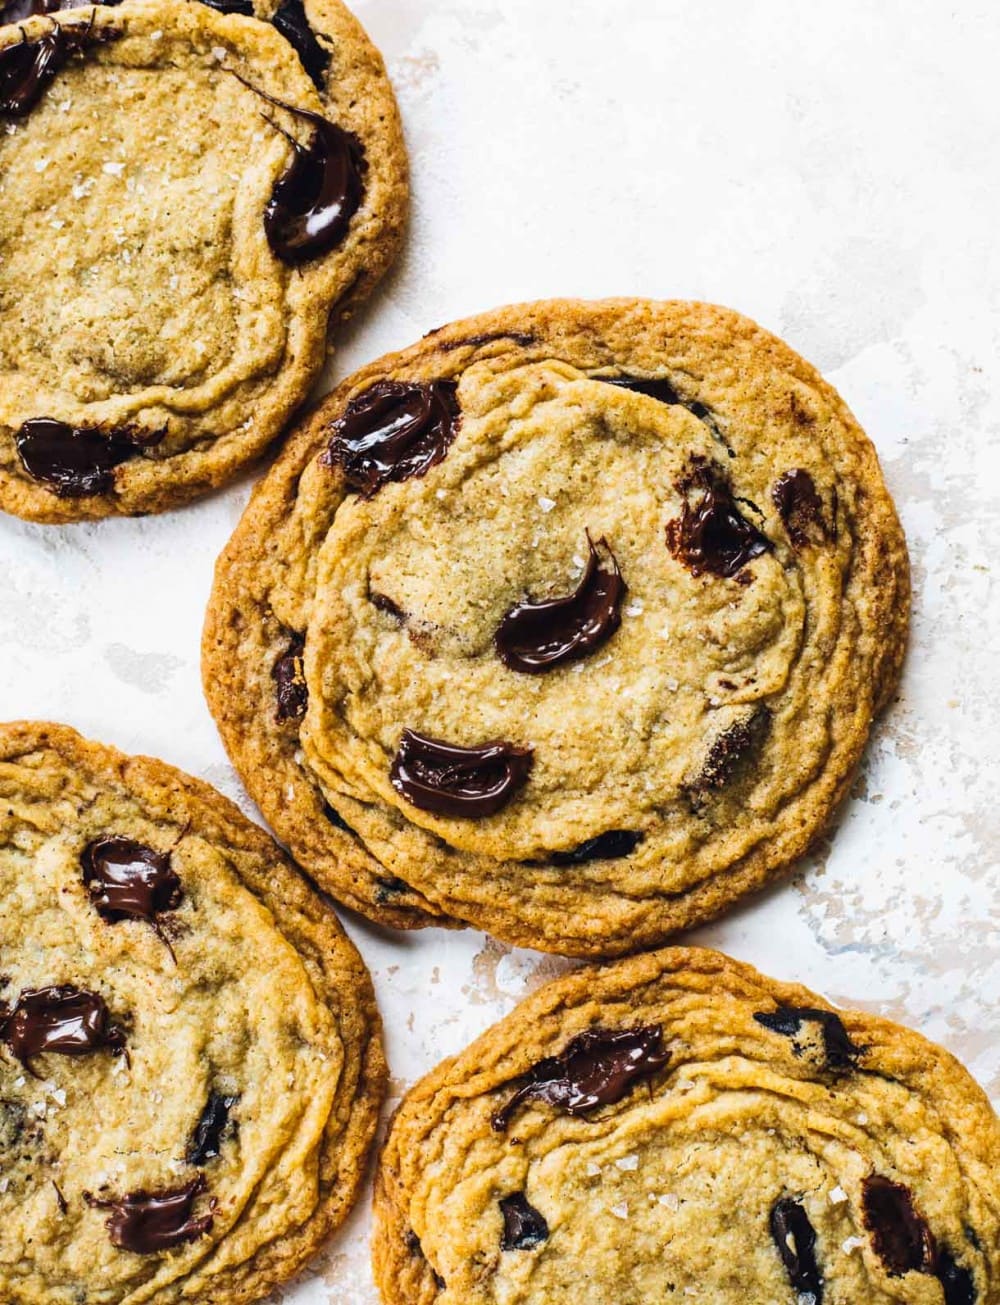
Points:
[[832, 170]]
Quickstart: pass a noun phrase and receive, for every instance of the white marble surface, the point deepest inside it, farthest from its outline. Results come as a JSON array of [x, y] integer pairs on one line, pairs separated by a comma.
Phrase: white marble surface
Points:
[[828, 168]]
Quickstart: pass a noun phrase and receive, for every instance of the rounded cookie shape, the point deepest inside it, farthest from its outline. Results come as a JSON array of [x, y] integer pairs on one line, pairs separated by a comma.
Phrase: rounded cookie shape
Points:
[[678, 1125], [191, 214], [190, 1054], [576, 615]]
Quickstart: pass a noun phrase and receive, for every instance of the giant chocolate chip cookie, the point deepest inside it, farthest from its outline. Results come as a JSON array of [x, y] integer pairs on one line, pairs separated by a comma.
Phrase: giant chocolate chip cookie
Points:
[[569, 622], [190, 1059], [679, 1127], [184, 212]]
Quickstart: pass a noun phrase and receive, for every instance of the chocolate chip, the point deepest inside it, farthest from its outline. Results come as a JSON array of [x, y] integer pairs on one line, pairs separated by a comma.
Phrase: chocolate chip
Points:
[[653, 388], [523, 1226], [841, 1052], [795, 1239], [597, 1068], [710, 534], [60, 1199], [902, 1239], [605, 847], [291, 689], [958, 1283], [800, 508], [314, 199], [452, 781], [61, 1020], [291, 21], [27, 68], [213, 1125], [534, 637], [392, 431], [74, 461], [383, 603], [727, 752], [242, 7], [149, 1222], [127, 880]]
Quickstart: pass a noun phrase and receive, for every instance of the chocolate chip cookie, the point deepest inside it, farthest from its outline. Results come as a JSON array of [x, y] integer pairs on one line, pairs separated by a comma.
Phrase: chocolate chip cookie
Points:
[[192, 195], [190, 1057], [569, 622], [676, 1126]]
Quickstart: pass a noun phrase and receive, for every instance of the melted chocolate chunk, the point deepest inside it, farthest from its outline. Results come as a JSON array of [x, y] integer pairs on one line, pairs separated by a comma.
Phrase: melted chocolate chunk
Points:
[[291, 21], [727, 753], [596, 1069], [314, 199], [27, 68], [383, 603], [242, 7], [62, 1020], [795, 1238], [800, 508], [653, 388], [605, 847], [16, 11], [149, 1222], [902, 1239], [521, 338], [452, 781], [130, 881], [958, 1283], [710, 534], [290, 685], [75, 461], [841, 1052], [523, 1226], [392, 431], [534, 637], [210, 1130]]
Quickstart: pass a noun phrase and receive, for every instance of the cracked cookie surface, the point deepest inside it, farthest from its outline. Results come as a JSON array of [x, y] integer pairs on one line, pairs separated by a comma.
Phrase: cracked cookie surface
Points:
[[677, 1126], [164, 314], [575, 615], [190, 1057]]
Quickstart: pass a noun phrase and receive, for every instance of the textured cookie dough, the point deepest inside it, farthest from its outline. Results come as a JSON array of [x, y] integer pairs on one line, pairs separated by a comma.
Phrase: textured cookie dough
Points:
[[244, 1065], [703, 740], [842, 1161], [140, 291]]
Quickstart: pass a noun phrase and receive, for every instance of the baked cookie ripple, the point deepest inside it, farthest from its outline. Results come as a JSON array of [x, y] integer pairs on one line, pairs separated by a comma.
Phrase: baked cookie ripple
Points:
[[677, 1126], [575, 615], [190, 1056], [164, 312]]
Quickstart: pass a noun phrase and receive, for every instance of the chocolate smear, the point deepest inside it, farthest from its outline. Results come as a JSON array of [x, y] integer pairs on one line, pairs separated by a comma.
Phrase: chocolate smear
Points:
[[795, 1238], [211, 1128], [242, 7], [534, 637], [289, 681], [902, 1239], [61, 1020], [605, 847], [314, 199], [291, 21], [149, 1222], [392, 431], [653, 388], [27, 68], [958, 1283], [800, 508], [523, 1226], [451, 781], [711, 535], [60, 1199], [597, 1068], [127, 880], [841, 1052], [727, 752], [74, 461], [17, 11]]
